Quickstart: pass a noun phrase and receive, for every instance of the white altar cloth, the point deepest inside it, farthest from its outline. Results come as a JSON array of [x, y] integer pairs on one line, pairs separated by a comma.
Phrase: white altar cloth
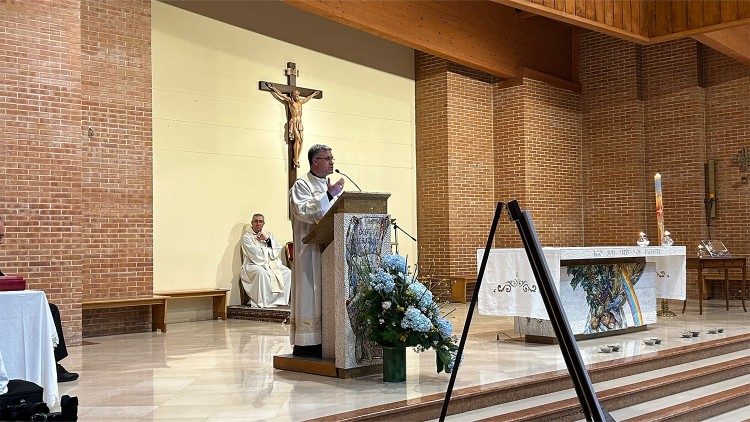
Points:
[[509, 287], [26, 340]]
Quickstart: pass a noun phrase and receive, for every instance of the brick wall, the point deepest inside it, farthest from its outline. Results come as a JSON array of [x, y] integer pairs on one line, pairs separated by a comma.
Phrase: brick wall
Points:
[[455, 183], [727, 93], [554, 183], [538, 160], [105, 322], [583, 164], [78, 207], [117, 160], [432, 160], [521, 141], [675, 141], [40, 168], [727, 110], [614, 150], [675, 137], [509, 152], [470, 166]]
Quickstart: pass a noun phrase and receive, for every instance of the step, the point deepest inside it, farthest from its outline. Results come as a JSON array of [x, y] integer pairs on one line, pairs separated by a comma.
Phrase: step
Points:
[[492, 394], [627, 395], [280, 314], [696, 404], [738, 415], [619, 393]]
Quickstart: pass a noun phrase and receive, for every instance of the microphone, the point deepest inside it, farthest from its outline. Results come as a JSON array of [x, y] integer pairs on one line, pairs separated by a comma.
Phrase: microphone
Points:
[[350, 179]]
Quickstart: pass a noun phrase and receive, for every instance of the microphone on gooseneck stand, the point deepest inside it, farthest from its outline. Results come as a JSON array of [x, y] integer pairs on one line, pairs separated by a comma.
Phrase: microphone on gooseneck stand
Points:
[[350, 179]]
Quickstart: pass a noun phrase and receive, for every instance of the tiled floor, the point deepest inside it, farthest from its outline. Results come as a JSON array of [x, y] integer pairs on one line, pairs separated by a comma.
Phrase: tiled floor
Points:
[[215, 370]]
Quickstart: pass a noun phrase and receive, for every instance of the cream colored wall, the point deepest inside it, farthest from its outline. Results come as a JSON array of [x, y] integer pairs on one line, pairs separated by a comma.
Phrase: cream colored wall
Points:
[[219, 151]]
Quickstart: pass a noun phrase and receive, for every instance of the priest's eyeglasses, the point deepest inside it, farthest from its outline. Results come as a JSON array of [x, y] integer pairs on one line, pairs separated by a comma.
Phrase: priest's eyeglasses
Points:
[[329, 159]]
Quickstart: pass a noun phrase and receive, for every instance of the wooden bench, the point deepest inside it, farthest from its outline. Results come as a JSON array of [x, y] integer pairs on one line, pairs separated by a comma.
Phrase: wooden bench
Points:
[[462, 289], [158, 307], [219, 296]]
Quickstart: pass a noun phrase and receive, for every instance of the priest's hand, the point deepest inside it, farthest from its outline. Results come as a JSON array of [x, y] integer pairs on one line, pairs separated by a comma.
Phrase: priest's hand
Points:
[[262, 236], [336, 188]]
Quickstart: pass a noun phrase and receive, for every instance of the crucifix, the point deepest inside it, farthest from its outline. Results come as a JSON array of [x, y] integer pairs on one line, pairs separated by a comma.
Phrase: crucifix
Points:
[[293, 97]]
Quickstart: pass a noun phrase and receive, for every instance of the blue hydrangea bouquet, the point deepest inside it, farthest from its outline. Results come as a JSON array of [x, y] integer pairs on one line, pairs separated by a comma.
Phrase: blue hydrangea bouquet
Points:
[[396, 310]]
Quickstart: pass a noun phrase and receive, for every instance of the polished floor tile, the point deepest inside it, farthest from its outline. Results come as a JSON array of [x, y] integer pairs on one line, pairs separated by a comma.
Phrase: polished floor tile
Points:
[[221, 370]]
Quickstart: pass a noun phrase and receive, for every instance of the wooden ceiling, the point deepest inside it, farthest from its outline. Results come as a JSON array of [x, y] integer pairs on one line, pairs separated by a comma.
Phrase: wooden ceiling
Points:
[[642, 21], [721, 24], [502, 37]]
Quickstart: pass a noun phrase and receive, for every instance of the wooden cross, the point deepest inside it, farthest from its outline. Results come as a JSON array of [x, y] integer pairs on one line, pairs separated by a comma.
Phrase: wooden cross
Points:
[[291, 72]]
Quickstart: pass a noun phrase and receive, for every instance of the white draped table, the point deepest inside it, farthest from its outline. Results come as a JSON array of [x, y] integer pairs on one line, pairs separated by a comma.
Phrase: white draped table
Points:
[[509, 287], [26, 340]]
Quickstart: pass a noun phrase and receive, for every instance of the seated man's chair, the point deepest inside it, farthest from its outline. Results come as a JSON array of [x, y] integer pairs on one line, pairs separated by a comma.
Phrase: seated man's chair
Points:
[[289, 252], [244, 298]]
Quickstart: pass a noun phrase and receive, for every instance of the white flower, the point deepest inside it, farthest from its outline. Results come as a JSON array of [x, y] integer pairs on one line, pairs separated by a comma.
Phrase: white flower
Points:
[[387, 305], [381, 320]]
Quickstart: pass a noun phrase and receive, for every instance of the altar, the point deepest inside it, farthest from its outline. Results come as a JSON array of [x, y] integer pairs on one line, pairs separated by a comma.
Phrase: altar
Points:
[[603, 290]]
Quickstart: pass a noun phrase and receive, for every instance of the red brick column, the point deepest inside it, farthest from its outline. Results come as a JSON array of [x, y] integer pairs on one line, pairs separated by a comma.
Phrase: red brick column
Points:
[[432, 162], [617, 190], [554, 183], [41, 150], [117, 218], [78, 203], [478, 144], [454, 166]]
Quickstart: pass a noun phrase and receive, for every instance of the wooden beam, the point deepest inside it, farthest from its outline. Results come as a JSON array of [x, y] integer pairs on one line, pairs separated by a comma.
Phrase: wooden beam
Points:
[[479, 34], [560, 83], [733, 42], [698, 31], [644, 21], [592, 20]]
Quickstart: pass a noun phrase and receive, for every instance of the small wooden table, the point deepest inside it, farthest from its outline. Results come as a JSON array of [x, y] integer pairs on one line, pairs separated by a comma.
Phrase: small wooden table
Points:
[[724, 263]]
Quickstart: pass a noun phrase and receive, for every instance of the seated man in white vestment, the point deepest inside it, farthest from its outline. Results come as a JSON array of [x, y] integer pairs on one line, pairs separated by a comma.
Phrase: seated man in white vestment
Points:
[[265, 279]]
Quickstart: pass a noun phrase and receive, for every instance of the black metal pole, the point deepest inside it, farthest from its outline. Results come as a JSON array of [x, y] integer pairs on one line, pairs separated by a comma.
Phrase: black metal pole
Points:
[[586, 395], [395, 234], [403, 231], [474, 297]]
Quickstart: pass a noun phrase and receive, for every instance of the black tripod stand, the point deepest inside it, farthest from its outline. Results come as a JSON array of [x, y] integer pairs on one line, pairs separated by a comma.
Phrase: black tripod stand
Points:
[[592, 410]]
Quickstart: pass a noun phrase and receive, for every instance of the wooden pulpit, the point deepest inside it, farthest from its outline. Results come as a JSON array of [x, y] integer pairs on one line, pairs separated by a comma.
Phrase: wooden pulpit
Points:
[[351, 203], [356, 229]]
